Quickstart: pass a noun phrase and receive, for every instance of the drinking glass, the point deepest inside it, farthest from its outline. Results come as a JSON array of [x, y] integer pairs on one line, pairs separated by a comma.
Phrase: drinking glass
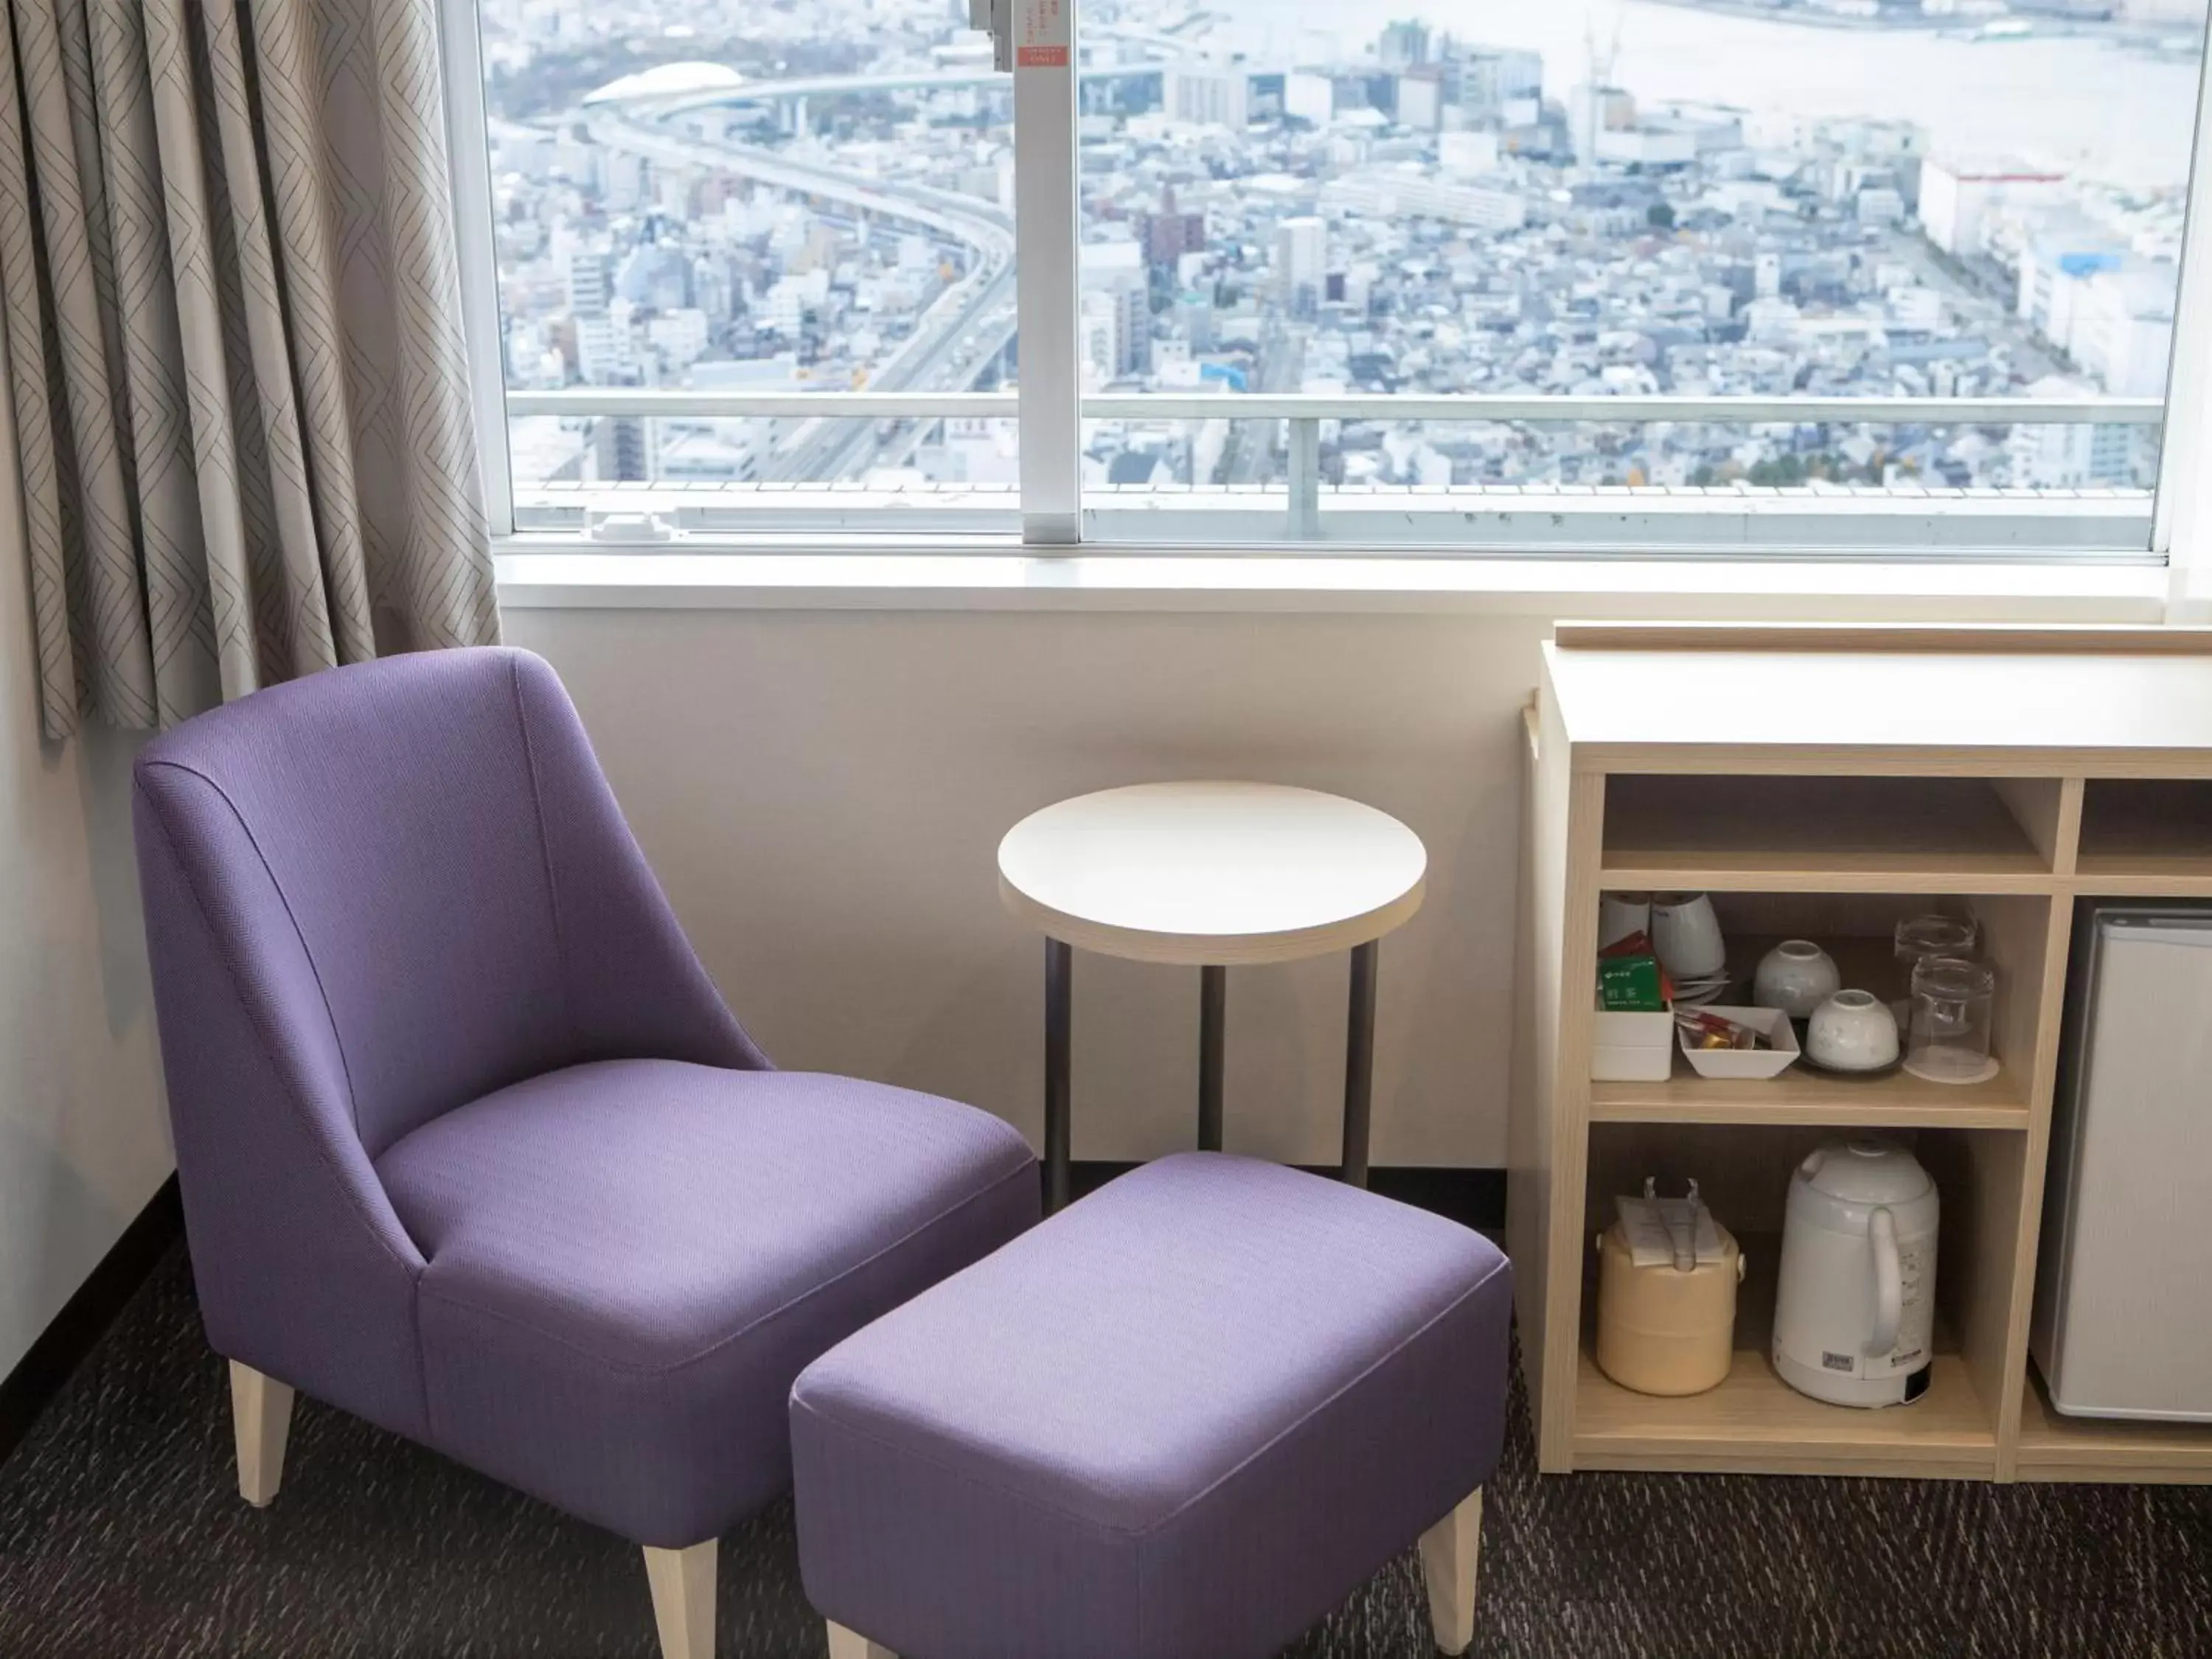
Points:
[[1953, 1003], [1919, 938], [1935, 936]]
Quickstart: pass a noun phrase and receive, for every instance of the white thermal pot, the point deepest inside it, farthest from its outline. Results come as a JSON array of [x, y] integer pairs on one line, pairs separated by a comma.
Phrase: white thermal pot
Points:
[[1855, 1313]]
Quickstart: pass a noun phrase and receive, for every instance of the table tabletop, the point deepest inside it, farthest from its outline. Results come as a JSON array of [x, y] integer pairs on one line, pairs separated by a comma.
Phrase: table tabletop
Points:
[[1212, 874]]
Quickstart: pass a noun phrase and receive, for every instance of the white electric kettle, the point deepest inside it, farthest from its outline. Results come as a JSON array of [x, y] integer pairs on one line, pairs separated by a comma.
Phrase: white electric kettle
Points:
[[1855, 1314]]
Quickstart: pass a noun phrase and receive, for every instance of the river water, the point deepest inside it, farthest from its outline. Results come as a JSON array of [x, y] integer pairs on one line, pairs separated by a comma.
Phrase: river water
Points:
[[2081, 103]]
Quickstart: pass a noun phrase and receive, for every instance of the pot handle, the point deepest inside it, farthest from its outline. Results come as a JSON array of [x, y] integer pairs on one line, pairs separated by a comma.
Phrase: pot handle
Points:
[[1888, 1284]]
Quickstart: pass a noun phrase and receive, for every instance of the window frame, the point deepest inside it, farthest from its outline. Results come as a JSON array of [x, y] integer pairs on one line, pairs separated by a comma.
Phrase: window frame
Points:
[[468, 160], [1057, 517]]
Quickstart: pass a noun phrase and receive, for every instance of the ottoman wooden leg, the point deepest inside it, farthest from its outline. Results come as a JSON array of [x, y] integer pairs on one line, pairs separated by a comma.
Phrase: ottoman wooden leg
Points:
[[845, 1644], [1448, 1553], [683, 1600]]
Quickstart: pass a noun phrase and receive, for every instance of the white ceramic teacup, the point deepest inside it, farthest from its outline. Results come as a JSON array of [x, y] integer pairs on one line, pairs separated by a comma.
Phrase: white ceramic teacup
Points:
[[1620, 915], [1852, 1032], [1686, 935], [1796, 976]]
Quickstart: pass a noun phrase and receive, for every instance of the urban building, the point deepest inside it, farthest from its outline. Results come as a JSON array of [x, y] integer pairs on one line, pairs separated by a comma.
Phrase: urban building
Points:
[[1959, 198], [1416, 214]]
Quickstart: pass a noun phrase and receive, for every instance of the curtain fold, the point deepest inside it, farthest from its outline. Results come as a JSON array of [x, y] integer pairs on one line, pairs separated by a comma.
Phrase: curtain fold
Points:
[[234, 344]]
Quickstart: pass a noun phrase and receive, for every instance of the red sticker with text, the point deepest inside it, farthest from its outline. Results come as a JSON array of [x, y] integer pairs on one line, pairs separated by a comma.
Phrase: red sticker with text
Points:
[[1046, 32]]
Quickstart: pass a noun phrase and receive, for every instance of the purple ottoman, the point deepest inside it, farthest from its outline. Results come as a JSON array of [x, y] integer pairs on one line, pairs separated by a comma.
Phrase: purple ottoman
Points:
[[1182, 1419]]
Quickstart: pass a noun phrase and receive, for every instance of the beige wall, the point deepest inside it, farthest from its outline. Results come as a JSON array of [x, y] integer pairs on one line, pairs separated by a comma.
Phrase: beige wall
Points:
[[83, 1135], [823, 794], [823, 790]]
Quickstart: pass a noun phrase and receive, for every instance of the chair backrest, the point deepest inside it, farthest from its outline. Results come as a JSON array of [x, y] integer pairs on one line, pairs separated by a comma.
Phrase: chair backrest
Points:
[[442, 845]]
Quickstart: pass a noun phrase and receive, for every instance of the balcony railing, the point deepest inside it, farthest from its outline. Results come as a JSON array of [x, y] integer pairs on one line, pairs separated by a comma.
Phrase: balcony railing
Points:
[[650, 403], [1471, 406], [2095, 520]]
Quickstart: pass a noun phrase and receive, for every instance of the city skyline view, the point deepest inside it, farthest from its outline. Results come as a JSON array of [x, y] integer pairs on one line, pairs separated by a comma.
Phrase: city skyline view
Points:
[[747, 196]]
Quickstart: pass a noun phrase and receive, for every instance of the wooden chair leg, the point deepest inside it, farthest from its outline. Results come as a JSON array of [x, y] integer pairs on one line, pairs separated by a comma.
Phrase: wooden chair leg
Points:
[[1449, 1551], [261, 1421], [683, 1600], [846, 1644]]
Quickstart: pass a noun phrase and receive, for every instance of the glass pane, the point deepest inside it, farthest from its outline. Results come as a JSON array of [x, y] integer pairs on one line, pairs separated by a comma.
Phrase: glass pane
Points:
[[752, 198], [1598, 198]]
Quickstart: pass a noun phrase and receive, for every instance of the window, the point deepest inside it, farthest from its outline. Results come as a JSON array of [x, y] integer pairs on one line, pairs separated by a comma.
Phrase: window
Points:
[[1785, 276]]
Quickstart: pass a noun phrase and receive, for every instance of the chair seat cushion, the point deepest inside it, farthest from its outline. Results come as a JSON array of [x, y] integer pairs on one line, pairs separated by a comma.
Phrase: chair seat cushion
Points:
[[1187, 1416], [628, 1262]]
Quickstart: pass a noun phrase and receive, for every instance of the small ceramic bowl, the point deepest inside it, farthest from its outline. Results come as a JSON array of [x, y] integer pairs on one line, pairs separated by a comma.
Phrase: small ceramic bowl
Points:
[[1796, 976], [1852, 1032], [1756, 1063]]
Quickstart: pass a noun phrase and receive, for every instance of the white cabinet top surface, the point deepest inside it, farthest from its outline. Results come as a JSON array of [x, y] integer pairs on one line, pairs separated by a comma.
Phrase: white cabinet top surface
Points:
[[1752, 709]]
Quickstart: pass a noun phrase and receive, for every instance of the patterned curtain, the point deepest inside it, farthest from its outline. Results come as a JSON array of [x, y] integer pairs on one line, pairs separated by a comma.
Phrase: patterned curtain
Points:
[[234, 347]]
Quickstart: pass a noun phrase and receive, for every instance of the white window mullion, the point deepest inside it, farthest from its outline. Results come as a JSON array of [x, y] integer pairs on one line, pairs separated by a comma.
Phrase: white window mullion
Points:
[[2181, 519], [468, 150], [1046, 234]]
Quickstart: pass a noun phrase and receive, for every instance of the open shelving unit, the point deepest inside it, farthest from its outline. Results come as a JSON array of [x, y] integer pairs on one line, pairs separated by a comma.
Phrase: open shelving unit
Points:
[[1875, 774]]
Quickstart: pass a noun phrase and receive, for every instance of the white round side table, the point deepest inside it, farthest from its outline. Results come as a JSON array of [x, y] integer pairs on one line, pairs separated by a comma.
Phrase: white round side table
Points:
[[1210, 876]]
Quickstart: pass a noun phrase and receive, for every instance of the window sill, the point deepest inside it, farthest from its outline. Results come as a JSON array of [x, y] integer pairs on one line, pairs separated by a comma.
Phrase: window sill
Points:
[[980, 579]]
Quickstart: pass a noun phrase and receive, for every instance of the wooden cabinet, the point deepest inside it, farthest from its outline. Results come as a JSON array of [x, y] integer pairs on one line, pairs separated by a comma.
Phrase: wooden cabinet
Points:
[[1825, 783]]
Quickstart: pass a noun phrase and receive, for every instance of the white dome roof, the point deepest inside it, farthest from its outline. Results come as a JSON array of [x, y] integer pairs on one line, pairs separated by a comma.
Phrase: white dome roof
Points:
[[669, 81]]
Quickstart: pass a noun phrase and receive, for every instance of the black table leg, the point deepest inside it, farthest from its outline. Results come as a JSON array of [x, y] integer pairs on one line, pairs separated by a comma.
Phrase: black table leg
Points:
[[1359, 1062], [1212, 1007], [1058, 1023]]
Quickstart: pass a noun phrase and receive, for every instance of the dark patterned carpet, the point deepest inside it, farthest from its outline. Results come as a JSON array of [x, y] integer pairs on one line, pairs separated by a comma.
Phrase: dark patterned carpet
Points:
[[122, 1534]]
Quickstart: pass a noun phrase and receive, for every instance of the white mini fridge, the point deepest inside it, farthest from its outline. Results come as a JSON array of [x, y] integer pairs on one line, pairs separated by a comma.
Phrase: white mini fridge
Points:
[[2122, 1322]]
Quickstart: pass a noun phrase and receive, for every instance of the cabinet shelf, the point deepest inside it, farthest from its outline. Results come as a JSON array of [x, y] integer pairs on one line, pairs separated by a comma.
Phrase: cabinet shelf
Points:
[[2146, 836], [1829, 834], [1900, 1101], [2120, 876], [1803, 1095], [2055, 1447], [1756, 1424]]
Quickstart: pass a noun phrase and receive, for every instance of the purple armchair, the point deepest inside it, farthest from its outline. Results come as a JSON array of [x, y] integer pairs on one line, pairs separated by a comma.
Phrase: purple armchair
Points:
[[468, 1144]]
